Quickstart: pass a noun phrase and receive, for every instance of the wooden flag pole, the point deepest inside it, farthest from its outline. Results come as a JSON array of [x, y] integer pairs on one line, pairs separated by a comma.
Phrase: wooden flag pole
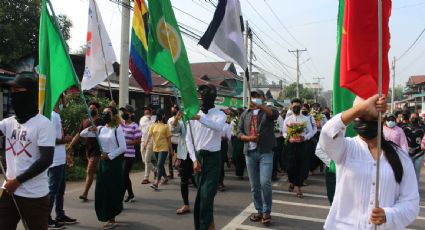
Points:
[[378, 160]]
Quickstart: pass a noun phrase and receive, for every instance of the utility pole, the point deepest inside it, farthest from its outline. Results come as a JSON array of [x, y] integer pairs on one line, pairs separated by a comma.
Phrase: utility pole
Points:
[[251, 54], [393, 88], [318, 82], [245, 81], [297, 51], [125, 37]]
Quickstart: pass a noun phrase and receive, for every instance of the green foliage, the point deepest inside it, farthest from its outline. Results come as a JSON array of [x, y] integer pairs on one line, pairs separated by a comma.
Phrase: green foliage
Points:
[[19, 26], [76, 172], [399, 96], [290, 91], [75, 111]]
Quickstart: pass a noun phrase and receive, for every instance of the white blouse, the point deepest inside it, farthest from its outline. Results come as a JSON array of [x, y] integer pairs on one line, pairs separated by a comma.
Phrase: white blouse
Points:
[[355, 184], [108, 141]]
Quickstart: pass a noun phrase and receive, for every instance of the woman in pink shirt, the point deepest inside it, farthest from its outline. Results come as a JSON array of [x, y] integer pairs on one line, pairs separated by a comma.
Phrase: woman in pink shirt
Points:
[[394, 133]]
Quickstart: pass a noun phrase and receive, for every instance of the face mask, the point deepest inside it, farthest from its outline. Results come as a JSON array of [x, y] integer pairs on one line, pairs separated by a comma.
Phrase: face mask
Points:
[[391, 124], [60, 107], [257, 101], [207, 102], [366, 129], [296, 109], [125, 116], [328, 115], [106, 117], [305, 113], [25, 105], [93, 112]]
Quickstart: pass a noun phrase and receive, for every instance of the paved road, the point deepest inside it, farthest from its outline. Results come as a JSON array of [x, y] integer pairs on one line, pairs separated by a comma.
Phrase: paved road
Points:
[[156, 210]]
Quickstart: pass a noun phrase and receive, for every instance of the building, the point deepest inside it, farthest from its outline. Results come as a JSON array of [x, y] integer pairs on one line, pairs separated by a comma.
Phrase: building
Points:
[[415, 94]]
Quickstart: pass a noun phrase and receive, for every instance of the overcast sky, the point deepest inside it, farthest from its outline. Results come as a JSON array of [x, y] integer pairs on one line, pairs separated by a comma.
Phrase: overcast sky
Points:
[[311, 25]]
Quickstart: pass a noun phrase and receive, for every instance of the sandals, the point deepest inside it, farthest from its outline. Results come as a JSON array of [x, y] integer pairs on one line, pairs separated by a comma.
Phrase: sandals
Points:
[[300, 195], [291, 188], [256, 217], [83, 198], [182, 211], [266, 219], [146, 181], [110, 225]]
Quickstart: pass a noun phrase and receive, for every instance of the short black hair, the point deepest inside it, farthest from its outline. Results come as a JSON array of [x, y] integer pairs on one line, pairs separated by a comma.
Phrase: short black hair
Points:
[[406, 115], [296, 100], [95, 104], [306, 106]]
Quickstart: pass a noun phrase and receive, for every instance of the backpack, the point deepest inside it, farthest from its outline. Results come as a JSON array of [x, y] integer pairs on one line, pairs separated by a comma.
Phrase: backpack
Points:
[[414, 135]]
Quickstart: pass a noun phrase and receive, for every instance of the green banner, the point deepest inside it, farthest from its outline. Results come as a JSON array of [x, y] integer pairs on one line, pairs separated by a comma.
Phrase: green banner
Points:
[[229, 102]]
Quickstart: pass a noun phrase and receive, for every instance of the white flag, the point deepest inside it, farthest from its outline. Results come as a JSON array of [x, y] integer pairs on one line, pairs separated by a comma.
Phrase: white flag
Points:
[[94, 71], [224, 35]]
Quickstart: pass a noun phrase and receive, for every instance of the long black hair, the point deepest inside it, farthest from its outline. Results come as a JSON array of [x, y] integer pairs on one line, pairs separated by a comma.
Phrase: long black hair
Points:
[[393, 158], [161, 117]]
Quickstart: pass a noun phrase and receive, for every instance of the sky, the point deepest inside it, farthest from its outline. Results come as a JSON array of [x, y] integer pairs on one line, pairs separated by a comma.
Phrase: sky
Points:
[[279, 26]]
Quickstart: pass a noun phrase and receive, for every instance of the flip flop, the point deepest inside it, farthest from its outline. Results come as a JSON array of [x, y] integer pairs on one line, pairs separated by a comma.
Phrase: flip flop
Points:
[[182, 211], [300, 195], [266, 219], [83, 198], [255, 217]]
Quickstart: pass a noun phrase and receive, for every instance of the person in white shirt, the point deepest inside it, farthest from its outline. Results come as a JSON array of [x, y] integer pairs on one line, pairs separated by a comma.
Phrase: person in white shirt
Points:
[[175, 132], [147, 154], [57, 172], [30, 142], [203, 140], [109, 192], [297, 148], [355, 158]]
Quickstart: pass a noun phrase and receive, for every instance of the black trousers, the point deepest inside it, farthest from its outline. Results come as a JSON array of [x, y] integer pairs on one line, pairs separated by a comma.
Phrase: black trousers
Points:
[[314, 160], [277, 154], [127, 165], [170, 160], [238, 156], [224, 149], [186, 173], [297, 162], [330, 184]]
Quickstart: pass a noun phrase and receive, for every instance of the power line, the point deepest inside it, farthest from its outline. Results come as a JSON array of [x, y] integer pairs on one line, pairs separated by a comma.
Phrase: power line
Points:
[[413, 44]]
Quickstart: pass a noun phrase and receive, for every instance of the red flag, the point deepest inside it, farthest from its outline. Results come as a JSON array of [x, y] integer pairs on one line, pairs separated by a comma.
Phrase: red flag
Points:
[[359, 50]]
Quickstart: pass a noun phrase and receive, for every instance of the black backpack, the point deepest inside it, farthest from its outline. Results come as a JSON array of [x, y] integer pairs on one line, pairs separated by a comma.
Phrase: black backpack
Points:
[[414, 135]]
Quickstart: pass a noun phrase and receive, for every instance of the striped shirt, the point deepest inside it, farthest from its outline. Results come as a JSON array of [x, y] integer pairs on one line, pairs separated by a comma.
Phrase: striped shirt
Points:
[[131, 133]]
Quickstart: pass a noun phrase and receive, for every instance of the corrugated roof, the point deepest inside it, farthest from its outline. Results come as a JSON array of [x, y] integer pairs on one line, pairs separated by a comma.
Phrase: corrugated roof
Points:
[[416, 80]]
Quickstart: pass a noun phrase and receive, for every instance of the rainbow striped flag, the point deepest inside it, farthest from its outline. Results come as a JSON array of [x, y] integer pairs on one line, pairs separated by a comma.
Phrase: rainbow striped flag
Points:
[[139, 46]]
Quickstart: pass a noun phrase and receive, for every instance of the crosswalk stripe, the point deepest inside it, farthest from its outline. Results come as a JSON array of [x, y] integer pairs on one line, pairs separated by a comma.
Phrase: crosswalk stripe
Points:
[[305, 194], [301, 204]]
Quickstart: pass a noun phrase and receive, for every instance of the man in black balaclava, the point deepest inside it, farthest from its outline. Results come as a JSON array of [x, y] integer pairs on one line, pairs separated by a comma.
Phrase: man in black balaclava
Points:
[[30, 142], [203, 140]]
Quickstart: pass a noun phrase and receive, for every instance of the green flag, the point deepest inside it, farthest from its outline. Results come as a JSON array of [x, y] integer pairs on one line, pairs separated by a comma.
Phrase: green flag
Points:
[[55, 68], [167, 54], [342, 98]]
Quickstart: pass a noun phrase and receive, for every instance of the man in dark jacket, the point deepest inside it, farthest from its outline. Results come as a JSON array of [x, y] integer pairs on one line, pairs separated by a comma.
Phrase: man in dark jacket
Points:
[[256, 130]]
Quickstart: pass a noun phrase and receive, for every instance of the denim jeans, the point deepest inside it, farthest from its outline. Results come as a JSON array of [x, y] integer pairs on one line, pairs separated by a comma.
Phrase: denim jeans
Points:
[[57, 177], [418, 163], [162, 156], [260, 167]]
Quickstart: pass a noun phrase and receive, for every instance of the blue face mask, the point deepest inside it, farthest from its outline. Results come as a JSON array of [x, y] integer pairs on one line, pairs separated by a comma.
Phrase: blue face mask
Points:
[[257, 101], [391, 124]]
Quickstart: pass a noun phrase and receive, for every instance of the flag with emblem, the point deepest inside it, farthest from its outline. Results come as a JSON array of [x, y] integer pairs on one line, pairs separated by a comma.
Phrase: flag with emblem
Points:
[[99, 51], [55, 68], [167, 54]]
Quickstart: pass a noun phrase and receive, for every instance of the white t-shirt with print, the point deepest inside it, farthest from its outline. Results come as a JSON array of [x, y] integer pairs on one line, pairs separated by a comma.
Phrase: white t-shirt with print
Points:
[[59, 158], [22, 142]]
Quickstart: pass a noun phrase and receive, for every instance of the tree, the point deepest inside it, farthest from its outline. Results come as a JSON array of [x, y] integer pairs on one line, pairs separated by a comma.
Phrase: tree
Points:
[[399, 96], [19, 26], [290, 91]]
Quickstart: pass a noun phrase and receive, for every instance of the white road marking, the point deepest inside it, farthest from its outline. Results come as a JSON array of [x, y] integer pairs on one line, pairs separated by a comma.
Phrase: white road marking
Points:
[[305, 194], [301, 204], [239, 219]]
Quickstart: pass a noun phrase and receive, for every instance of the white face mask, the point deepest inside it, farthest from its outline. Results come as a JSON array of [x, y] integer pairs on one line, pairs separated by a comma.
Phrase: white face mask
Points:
[[391, 124], [257, 101]]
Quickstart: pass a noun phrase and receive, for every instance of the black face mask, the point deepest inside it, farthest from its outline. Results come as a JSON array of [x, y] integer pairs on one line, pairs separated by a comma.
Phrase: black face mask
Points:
[[173, 113], [296, 109], [305, 113], [366, 129], [25, 105], [125, 116], [328, 115], [93, 112], [106, 117]]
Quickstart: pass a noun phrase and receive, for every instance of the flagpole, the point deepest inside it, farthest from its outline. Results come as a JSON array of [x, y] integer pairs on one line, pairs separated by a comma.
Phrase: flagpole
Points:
[[378, 160], [103, 51], [75, 74], [24, 223]]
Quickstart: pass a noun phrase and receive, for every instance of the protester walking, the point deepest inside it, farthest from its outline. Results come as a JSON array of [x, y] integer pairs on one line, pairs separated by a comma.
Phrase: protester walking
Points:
[[256, 130], [354, 202], [133, 137], [394, 133], [160, 133], [203, 140], [238, 157], [91, 146], [175, 138], [278, 149], [414, 134], [109, 181], [33, 136], [298, 131], [147, 154], [57, 172]]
